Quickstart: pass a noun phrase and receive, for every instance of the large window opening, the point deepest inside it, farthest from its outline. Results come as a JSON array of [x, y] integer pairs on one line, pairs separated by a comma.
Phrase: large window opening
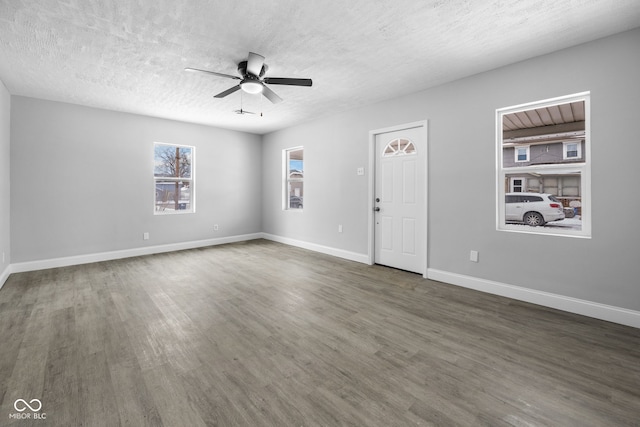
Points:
[[543, 179]]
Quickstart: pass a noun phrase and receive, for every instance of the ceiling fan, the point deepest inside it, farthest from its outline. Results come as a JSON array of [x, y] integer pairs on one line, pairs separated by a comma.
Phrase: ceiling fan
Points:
[[252, 79]]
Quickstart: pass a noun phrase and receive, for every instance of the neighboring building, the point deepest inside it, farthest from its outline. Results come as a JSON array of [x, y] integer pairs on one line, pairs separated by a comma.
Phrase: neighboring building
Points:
[[543, 153], [545, 136]]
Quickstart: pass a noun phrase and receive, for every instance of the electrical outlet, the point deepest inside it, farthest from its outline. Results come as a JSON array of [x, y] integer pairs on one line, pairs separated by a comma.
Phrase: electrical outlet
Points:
[[215, 227], [473, 256], [145, 236], [360, 171], [339, 228]]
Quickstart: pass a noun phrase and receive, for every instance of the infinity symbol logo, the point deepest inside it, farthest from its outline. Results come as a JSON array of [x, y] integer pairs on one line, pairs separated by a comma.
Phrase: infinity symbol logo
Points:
[[27, 405]]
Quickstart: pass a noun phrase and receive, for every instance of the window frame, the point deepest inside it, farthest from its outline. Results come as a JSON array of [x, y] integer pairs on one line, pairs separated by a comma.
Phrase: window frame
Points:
[[528, 153], [287, 180], [565, 151], [191, 179], [580, 168], [512, 184]]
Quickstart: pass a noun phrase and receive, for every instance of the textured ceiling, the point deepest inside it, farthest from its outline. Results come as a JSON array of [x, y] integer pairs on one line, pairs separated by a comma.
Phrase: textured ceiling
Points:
[[129, 55]]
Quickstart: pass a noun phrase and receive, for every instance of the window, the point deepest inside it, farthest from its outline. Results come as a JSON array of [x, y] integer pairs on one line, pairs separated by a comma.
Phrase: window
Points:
[[522, 153], [517, 185], [399, 147], [173, 178], [571, 150], [543, 170], [294, 178]]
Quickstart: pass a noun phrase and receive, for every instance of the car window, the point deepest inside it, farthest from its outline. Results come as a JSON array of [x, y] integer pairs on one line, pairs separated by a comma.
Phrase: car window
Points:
[[532, 198], [512, 199], [553, 199]]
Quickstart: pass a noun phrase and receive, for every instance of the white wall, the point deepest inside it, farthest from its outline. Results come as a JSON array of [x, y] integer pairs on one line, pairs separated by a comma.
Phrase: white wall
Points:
[[82, 181], [5, 200], [461, 195]]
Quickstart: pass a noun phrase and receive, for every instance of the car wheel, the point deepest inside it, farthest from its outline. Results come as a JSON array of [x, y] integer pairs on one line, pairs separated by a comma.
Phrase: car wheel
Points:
[[533, 219]]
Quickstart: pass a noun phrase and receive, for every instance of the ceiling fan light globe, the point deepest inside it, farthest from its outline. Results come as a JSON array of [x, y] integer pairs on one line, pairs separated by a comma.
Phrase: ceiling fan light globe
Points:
[[251, 86]]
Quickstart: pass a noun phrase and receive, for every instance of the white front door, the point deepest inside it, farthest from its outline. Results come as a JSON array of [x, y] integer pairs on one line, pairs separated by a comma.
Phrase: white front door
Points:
[[399, 206]]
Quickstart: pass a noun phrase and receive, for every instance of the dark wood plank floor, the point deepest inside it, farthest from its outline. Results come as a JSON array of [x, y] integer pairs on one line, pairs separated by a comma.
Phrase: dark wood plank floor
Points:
[[263, 334]]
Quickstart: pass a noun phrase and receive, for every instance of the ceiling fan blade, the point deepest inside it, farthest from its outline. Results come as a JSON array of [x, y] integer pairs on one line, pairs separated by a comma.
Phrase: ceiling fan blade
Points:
[[287, 81], [196, 70], [271, 95], [227, 92], [254, 64]]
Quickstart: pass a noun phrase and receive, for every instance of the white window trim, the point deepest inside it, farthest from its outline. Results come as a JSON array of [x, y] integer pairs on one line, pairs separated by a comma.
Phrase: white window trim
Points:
[[511, 184], [515, 153], [565, 144], [583, 167], [192, 180], [286, 179]]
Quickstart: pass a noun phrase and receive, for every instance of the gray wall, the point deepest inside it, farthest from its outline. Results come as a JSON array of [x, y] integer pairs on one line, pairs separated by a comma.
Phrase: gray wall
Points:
[[82, 181], [81, 178], [462, 178], [5, 206]]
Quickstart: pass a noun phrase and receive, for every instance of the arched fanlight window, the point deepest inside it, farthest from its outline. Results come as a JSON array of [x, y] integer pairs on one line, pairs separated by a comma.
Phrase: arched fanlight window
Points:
[[399, 147]]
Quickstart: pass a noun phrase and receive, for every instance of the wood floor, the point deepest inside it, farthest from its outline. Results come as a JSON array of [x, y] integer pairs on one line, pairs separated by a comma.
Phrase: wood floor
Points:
[[263, 334]]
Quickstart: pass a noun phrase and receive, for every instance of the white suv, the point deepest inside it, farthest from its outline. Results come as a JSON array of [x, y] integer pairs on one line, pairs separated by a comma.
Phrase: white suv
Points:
[[533, 209]]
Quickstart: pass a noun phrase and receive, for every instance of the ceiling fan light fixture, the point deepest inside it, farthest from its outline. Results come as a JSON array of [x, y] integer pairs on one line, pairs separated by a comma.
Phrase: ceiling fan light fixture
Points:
[[251, 86]]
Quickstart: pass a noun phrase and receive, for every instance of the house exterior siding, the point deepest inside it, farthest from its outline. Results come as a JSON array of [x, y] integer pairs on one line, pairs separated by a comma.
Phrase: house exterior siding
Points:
[[541, 154]]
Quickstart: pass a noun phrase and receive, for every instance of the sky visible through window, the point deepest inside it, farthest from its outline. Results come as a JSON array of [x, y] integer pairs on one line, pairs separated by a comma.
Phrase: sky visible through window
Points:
[[296, 165]]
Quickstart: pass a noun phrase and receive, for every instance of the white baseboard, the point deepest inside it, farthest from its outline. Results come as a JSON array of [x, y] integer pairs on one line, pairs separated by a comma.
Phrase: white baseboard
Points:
[[5, 275], [126, 253], [340, 253], [596, 310]]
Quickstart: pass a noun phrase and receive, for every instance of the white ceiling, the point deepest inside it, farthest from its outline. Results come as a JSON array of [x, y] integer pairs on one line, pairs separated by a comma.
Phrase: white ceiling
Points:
[[129, 55]]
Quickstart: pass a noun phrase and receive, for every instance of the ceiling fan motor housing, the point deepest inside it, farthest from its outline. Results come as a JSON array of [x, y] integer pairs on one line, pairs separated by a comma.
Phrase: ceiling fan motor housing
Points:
[[242, 70]]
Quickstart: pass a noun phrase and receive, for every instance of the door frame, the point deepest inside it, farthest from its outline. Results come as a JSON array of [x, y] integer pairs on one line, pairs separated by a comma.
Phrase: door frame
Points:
[[423, 124]]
